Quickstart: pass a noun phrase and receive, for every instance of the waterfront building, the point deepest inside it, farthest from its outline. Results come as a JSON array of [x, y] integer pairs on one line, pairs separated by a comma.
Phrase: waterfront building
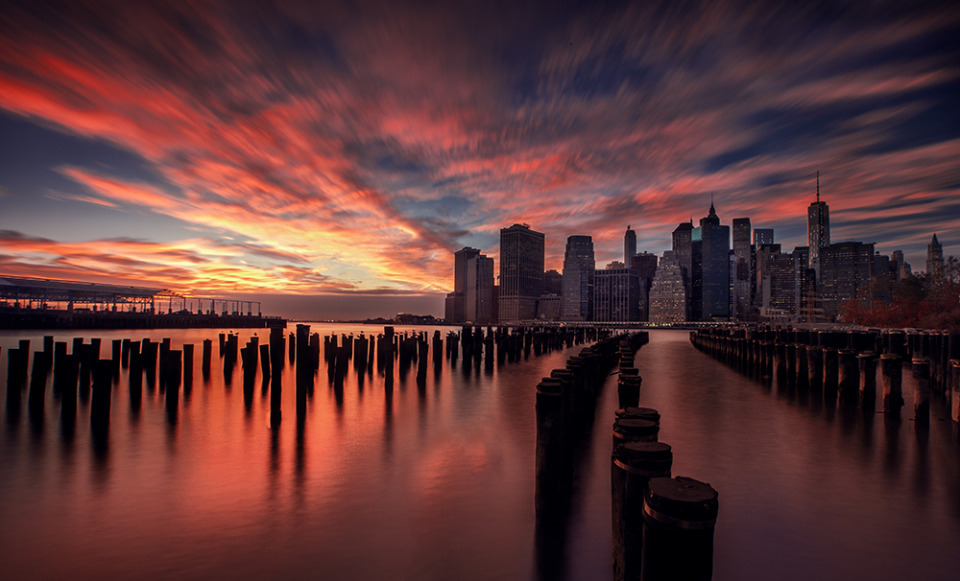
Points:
[[616, 294], [682, 250], [521, 272], [818, 229], [668, 295], [845, 269], [577, 279], [479, 290], [935, 260]]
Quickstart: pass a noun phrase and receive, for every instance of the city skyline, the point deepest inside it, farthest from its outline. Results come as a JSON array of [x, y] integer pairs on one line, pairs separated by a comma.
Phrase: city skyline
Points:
[[333, 159]]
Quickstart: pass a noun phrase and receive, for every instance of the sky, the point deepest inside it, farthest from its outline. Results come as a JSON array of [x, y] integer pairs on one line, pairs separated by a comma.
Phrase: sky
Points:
[[337, 154]]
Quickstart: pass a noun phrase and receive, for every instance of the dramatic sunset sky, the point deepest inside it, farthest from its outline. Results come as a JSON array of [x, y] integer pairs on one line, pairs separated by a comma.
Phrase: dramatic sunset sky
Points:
[[340, 152]]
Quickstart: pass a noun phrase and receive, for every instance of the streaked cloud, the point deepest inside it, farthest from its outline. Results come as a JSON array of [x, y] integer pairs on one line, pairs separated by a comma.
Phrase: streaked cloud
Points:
[[319, 149]]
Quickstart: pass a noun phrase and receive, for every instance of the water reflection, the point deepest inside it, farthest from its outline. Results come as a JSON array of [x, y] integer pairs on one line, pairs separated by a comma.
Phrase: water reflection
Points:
[[453, 469]]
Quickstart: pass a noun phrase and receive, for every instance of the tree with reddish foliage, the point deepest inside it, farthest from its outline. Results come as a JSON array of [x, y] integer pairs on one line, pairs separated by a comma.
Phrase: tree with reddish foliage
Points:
[[919, 301]]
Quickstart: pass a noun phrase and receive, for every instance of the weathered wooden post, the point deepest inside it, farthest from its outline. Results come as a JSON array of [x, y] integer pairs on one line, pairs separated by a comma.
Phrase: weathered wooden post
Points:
[[921, 396], [205, 358], [867, 363], [679, 516], [633, 465], [955, 381], [634, 430], [849, 378], [891, 367], [628, 390]]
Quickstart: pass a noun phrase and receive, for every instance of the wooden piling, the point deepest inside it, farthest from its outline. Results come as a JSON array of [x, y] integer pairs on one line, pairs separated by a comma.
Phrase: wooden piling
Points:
[[891, 367], [633, 465], [867, 364], [679, 516], [921, 395]]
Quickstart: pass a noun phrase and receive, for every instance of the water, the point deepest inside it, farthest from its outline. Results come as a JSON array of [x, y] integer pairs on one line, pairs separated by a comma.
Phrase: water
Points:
[[439, 483]]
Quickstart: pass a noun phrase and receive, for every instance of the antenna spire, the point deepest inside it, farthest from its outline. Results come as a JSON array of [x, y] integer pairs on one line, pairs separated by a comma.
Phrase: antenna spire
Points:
[[818, 186]]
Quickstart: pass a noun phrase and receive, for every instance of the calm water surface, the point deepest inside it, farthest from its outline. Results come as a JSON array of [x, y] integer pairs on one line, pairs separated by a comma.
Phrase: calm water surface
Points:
[[438, 483]]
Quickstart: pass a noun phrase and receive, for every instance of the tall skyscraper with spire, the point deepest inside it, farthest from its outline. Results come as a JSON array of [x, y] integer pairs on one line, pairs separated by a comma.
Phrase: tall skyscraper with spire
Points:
[[578, 279], [818, 229], [629, 245]]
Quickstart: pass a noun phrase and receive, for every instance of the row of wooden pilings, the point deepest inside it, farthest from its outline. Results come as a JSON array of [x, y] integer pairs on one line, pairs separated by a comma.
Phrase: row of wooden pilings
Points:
[[81, 372], [844, 364], [662, 527]]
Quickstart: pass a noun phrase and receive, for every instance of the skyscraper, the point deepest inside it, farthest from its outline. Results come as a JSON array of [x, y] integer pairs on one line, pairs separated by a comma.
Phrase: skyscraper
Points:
[[667, 293], [479, 290], [714, 269], [845, 268], [629, 245], [645, 265], [762, 236], [456, 306], [683, 254], [577, 280], [742, 275], [818, 229], [616, 295], [935, 259], [521, 272]]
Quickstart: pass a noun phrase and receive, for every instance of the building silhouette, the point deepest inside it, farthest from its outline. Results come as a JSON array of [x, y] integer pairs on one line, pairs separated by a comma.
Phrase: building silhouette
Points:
[[935, 259], [818, 229], [742, 288], [645, 265], [683, 254], [616, 294], [577, 280], [456, 305], [629, 245], [552, 283], [521, 272], [762, 236], [668, 300], [711, 245], [479, 290], [845, 269]]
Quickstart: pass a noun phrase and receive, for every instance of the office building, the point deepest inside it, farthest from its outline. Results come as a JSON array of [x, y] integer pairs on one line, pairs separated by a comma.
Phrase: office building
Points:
[[577, 279], [616, 294], [521, 272], [629, 245], [845, 269], [714, 268], [818, 229], [668, 295], [935, 260]]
